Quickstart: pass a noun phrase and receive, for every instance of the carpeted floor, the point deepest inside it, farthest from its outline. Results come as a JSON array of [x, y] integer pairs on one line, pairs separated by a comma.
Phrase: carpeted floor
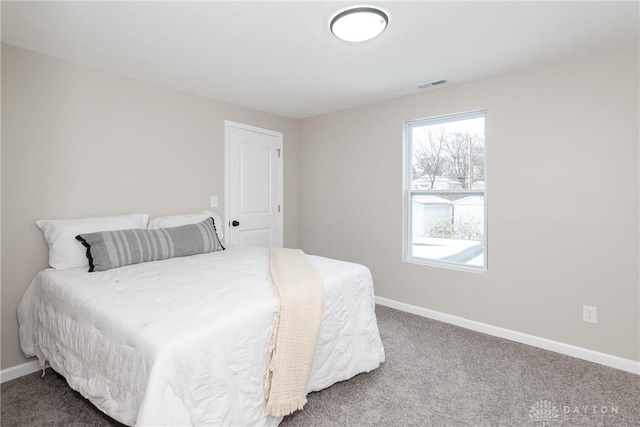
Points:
[[435, 375]]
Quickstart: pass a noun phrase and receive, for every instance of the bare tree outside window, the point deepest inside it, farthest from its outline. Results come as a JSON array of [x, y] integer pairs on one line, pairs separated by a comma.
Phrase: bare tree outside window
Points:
[[464, 154], [454, 155], [430, 154]]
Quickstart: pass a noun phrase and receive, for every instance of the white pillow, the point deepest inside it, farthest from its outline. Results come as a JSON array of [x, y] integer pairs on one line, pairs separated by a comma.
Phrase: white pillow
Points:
[[178, 220], [65, 251]]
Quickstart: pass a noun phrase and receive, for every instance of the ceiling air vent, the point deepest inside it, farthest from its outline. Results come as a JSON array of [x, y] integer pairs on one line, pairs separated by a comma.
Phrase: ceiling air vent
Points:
[[431, 84]]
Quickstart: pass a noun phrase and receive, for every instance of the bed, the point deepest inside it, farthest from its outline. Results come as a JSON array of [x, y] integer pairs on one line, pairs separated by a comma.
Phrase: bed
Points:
[[184, 341]]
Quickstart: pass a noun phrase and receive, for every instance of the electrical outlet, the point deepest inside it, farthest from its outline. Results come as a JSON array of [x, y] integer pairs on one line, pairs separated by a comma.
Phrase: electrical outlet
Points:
[[589, 314]]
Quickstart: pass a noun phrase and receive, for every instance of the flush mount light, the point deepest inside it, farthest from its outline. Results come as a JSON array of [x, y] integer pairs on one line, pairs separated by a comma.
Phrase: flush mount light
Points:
[[358, 24]]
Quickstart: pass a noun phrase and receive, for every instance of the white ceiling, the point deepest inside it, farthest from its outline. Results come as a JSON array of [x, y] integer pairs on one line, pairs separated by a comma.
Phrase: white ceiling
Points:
[[280, 57]]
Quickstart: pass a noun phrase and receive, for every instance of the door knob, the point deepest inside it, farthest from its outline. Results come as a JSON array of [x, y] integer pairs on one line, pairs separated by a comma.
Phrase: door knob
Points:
[[235, 223]]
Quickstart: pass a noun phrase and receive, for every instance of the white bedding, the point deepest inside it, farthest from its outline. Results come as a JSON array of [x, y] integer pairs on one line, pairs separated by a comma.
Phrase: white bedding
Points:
[[184, 341]]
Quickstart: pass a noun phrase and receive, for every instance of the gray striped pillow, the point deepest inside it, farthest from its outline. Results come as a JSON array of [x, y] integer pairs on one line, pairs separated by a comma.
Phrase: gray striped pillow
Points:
[[111, 249]]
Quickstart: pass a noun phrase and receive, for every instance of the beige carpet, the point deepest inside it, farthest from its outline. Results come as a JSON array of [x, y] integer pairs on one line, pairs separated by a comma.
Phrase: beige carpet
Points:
[[435, 375]]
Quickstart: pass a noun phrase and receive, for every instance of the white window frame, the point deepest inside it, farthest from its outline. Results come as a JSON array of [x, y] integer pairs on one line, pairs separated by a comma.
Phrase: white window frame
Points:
[[408, 192]]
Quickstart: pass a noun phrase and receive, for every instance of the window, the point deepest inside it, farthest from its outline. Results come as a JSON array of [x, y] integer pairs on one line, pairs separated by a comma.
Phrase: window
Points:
[[445, 191]]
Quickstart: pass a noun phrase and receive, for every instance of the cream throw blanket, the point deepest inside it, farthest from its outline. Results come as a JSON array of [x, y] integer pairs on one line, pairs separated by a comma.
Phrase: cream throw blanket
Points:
[[299, 289]]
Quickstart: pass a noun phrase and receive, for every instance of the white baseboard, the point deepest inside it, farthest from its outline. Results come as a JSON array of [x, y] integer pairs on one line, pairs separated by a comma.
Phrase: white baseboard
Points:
[[532, 340], [19, 371]]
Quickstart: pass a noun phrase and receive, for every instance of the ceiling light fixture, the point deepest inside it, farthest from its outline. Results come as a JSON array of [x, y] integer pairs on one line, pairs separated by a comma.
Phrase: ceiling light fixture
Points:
[[358, 24]]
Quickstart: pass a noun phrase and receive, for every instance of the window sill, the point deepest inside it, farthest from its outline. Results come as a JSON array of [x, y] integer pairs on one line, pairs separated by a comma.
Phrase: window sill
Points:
[[446, 265]]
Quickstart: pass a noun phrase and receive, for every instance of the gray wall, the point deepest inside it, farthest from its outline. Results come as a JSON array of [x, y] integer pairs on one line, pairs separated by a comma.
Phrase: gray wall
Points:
[[563, 154], [79, 142]]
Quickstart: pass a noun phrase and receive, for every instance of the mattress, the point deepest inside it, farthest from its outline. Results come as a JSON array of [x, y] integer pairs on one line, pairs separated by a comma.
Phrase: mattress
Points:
[[184, 341]]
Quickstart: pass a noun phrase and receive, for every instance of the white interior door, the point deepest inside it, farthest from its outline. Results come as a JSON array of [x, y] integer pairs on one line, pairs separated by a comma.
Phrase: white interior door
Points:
[[253, 194]]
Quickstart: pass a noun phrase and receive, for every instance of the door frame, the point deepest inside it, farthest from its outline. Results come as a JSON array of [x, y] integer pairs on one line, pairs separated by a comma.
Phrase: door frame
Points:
[[228, 124]]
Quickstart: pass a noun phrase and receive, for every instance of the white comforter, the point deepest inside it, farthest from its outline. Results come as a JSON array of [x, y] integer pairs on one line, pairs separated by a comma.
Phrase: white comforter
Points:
[[185, 341]]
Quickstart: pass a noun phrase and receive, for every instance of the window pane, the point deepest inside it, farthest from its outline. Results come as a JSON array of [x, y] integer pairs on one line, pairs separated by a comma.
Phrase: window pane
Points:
[[448, 156], [448, 227], [446, 191]]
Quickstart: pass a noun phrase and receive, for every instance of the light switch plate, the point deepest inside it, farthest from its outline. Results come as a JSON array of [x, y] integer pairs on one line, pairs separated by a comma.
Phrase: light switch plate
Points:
[[214, 201]]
